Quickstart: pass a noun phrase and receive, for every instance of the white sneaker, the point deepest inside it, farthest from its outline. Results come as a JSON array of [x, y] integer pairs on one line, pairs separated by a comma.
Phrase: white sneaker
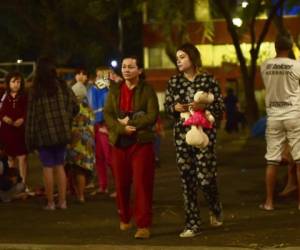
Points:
[[188, 233], [215, 221], [29, 192]]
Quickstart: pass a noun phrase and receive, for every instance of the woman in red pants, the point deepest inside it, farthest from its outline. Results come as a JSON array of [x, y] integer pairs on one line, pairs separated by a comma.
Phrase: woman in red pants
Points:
[[130, 113]]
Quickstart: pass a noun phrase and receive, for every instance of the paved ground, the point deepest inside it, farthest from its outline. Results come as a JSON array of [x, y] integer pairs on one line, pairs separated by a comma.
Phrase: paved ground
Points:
[[23, 224], [130, 247]]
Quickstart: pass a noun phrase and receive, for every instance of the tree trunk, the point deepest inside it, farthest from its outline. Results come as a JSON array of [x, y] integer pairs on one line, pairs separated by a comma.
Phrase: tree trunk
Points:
[[251, 111]]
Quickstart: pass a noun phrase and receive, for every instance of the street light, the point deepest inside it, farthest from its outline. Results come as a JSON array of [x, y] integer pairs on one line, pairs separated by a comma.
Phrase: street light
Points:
[[237, 21], [114, 63], [244, 4]]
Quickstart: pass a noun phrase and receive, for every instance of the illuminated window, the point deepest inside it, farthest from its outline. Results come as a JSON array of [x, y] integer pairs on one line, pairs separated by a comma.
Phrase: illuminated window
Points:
[[211, 55], [157, 58], [215, 55]]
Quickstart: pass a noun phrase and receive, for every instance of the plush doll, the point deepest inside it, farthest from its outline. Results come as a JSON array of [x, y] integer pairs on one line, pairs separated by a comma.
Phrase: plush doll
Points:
[[198, 120]]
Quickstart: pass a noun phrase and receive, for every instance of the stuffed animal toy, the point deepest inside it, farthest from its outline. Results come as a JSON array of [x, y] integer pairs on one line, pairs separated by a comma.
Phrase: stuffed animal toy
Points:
[[198, 120]]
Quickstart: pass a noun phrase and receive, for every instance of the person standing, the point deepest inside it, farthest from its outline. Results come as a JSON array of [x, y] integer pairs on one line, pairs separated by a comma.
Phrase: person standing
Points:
[[281, 76], [80, 156], [51, 108], [197, 167], [130, 112], [97, 94], [231, 109], [81, 78], [12, 116]]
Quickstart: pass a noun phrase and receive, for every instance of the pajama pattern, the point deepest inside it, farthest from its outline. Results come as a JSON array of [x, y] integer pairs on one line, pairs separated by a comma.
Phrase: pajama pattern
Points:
[[197, 167]]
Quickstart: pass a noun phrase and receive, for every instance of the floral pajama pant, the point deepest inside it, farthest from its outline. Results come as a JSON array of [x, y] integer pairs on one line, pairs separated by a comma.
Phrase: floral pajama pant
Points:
[[197, 169]]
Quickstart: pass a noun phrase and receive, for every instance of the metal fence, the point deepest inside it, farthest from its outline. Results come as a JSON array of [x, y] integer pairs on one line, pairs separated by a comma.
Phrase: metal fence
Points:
[[26, 68]]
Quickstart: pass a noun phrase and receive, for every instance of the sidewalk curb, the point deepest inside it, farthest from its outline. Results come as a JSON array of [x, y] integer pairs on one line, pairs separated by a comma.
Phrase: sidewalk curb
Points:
[[129, 247]]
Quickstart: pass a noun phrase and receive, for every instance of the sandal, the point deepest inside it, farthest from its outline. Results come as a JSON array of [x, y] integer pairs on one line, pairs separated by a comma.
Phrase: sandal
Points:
[[99, 192], [288, 191], [49, 207], [265, 207], [62, 205]]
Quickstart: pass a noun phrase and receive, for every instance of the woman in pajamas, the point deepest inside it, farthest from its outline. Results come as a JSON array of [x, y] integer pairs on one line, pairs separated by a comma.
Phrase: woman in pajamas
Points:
[[197, 167]]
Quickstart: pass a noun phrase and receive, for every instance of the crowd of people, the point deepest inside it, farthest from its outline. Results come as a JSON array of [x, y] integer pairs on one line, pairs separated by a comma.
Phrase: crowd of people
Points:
[[113, 124]]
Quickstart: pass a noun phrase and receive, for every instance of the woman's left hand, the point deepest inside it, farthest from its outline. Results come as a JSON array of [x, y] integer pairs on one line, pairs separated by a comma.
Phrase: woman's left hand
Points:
[[124, 121], [18, 122]]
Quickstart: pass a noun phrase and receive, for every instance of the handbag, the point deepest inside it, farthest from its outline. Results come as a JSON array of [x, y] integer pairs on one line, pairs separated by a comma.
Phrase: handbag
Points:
[[125, 141]]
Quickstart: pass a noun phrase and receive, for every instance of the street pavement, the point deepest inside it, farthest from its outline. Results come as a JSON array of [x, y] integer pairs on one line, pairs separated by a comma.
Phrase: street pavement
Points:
[[241, 182], [130, 247]]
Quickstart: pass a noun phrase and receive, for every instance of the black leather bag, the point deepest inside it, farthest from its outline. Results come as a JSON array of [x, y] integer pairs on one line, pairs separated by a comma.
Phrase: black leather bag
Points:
[[125, 141]]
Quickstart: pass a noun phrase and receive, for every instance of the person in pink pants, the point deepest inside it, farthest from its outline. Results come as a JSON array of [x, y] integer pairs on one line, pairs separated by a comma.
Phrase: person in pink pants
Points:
[[103, 156], [97, 94]]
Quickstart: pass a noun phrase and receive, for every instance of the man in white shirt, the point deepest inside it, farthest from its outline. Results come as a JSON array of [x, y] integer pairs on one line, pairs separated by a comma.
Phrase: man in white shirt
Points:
[[281, 77]]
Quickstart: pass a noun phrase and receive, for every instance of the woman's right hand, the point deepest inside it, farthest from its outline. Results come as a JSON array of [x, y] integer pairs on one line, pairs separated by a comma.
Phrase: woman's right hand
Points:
[[7, 120], [181, 107]]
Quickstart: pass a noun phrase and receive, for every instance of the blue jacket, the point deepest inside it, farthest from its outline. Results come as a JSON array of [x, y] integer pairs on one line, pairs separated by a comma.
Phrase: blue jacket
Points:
[[97, 98]]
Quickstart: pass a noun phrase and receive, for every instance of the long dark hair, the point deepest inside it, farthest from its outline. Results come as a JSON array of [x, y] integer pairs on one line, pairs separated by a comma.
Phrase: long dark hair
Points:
[[45, 81], [17, 75], [193, 54]]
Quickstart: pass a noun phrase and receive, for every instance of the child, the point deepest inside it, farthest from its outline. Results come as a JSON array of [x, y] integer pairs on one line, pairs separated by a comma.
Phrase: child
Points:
[[12, 117], [80, 153], [97, 96]]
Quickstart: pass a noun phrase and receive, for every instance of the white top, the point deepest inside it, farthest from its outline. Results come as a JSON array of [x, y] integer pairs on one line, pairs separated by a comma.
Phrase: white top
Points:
[[79, 90], [281, 77]]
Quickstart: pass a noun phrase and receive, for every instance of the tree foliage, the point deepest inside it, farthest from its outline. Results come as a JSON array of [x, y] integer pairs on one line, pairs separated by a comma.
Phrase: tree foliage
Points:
[[171, 18], [75, 32], [249, 16]]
